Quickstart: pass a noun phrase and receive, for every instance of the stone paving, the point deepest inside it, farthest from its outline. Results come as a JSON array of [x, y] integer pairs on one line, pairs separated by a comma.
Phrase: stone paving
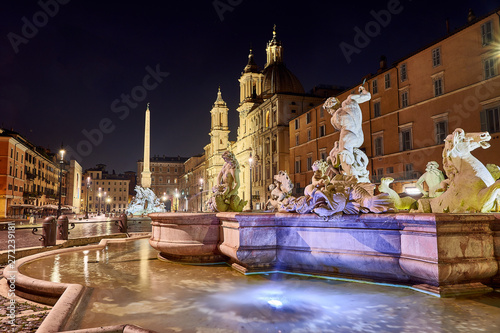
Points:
[[29, 315]]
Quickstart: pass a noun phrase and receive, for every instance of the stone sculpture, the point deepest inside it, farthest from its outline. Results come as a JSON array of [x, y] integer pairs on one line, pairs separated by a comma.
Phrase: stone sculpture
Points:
[[433, 178], [145, 202], [342, 194], [470, 186], [319, 178], [347, 118], [399, 203], [225, 194], [280, 190]]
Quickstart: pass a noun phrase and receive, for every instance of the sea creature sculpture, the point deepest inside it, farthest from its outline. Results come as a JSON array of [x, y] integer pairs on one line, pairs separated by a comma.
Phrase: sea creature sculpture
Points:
[[399, 203], [225, 194], [470, 187]]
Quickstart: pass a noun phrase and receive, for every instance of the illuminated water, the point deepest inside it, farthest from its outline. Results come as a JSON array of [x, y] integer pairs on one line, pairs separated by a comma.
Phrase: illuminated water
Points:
[[127, 284]]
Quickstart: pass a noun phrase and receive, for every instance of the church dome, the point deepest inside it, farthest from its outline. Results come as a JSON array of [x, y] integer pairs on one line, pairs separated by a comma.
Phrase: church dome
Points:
[[279, 79]]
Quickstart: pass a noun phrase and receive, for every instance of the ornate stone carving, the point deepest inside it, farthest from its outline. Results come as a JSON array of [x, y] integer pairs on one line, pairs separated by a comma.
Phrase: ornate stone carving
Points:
[[225, 194], [470, 186], [433, 178], [399, 203], [280, 190], [145, 202]]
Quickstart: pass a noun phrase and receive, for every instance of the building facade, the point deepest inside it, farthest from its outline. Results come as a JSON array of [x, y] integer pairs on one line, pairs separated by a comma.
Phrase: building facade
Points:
[[194, 184], [103, 192], [416, 102], [29, 176], [165, 174]]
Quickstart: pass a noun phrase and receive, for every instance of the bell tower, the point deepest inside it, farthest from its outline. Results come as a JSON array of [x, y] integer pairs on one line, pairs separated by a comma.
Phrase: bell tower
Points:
[[219, 130]]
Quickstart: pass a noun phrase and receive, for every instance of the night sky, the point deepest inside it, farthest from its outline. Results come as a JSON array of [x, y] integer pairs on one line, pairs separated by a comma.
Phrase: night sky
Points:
[[71, 75]]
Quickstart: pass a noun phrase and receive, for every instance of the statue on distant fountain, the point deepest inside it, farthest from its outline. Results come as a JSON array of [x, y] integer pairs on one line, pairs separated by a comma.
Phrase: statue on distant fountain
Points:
[[225, 194], [145, 202], [347, 118]]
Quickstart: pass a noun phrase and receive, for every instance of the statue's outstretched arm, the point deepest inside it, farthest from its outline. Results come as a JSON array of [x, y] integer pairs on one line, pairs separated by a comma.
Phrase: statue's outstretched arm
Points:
[[362, 97]]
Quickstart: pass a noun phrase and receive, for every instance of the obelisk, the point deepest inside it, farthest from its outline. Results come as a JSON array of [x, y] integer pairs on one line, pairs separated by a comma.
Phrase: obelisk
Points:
[[146, 174]]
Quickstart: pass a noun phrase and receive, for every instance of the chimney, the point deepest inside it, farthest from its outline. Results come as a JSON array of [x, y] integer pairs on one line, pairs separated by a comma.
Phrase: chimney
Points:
[[383, 62], [471, 17]]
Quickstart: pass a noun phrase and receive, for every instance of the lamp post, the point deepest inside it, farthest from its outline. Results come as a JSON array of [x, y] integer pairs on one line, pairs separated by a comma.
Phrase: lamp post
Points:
[[108, 200], [250, 161], [104, 203], [99, 204], [88, 188], [164, 198], [61, 152], [201, 195], [176, 200]]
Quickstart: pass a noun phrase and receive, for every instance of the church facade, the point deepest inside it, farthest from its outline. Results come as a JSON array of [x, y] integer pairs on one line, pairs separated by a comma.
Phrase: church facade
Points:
[[269, 99]]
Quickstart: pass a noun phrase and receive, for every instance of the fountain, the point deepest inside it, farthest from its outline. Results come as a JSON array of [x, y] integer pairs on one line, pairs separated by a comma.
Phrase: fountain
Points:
[[339, 229]]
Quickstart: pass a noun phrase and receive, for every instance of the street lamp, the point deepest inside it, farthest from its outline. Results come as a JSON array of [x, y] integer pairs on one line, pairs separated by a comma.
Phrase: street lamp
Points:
[[61, 152], [108, 200], [99, 204], [88, 188], [201, 195], [176, 200], [250, 161]]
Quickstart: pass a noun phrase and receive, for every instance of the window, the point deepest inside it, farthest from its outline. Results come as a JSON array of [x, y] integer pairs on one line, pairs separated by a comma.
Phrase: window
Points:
[[308, 117], [490, 120], [404, 99], [405, 138], [441, 130], [436, 57], [374, 87], [297, 166], [438, 87], [376, 109], [152, 169], [297, 140], [389, 170], [321, 112], [402, 73], [486, 35], [489, 66], [409, 170], [378, 143], [297, 124], [309, 163], [309, 135], [323, 154], [387, 80], [380, 172], [322, 131]]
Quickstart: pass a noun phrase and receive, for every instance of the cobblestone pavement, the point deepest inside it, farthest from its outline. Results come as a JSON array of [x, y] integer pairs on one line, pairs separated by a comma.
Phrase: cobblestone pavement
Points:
[[24, 237], [29, 315]]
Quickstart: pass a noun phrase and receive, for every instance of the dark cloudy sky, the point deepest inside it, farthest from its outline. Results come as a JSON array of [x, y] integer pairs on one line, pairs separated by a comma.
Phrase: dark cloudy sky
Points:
[[65, 76]]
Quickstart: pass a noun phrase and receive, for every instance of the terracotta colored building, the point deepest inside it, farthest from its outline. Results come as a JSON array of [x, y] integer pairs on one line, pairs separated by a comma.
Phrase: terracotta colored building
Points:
[[416, 102]]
